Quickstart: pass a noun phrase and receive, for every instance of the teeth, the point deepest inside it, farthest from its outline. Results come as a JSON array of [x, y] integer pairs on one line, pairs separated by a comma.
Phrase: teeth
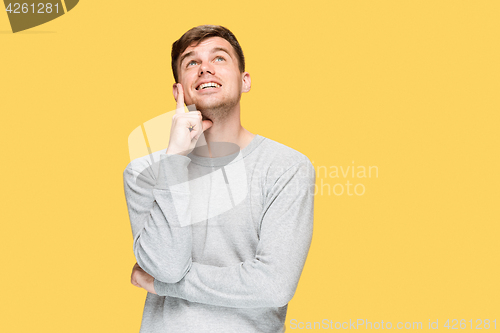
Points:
[[209, 84]]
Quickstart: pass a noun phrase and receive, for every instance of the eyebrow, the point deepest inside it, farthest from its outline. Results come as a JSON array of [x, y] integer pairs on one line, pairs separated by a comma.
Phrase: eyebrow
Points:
[[192, 53]]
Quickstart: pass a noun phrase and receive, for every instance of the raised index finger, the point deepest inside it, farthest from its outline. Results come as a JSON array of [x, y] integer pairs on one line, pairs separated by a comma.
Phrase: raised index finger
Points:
[[180, 100]]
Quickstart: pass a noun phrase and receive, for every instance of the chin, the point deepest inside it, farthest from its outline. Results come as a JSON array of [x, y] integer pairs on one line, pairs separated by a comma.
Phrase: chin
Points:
[[216, 108], [210, 102], [215, 111]]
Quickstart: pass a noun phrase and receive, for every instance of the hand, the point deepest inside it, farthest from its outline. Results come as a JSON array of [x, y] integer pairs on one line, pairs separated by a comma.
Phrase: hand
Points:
[[142, 279], [186, 127]]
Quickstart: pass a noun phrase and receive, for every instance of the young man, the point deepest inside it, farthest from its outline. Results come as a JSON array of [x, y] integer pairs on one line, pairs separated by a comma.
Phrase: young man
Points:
[[222, 234]]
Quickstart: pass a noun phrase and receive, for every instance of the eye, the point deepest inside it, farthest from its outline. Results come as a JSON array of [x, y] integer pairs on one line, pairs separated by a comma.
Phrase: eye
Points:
[[191, 62], [221, 58]]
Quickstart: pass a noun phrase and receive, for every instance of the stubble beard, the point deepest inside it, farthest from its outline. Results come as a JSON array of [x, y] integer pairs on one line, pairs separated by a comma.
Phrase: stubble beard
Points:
[[219, 111]]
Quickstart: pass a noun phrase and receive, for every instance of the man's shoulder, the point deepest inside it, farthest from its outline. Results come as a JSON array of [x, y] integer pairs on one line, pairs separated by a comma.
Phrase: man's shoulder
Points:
[[145, 167], [283, 155]]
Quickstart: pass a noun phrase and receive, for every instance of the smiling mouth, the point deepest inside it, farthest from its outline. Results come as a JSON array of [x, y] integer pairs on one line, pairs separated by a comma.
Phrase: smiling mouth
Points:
[[208, 85]]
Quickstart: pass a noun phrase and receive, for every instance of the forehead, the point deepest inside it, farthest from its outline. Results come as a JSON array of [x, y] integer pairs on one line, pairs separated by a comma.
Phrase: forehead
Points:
[[209, 44]]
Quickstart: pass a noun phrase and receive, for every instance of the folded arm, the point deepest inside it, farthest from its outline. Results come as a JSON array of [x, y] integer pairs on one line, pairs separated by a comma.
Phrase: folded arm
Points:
[[270, 279], [162, 246]]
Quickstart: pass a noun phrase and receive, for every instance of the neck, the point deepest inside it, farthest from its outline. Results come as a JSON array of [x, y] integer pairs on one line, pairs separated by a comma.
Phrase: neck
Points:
[[228, 129]]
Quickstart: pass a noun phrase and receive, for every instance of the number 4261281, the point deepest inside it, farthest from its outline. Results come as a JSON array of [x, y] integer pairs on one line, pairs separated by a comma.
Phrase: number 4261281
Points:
[[40, 8], [480, 324]]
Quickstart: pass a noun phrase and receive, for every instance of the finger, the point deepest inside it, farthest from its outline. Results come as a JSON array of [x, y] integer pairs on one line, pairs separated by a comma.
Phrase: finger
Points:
[[133, 280], [196, 128], [189, 120], [207, 124], [180, 100], [204, 125], [193, 121]]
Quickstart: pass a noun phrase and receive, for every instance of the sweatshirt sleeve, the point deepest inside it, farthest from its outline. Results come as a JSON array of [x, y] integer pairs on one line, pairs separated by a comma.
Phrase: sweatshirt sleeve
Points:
[[162, 240], [270, 279]]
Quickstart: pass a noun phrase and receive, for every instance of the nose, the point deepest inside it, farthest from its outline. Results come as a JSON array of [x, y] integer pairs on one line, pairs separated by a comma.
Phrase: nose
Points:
[[206, 68]]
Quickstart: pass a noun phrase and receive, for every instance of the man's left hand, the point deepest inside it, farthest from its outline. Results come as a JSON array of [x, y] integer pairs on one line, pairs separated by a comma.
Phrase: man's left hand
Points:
[[142, 279]]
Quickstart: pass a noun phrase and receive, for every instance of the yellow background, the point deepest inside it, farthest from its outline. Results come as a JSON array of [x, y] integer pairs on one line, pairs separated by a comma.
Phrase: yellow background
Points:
[[411, 87]]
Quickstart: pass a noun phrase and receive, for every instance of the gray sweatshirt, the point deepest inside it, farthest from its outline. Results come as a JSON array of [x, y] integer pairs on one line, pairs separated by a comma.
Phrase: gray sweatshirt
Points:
[[225, 238]]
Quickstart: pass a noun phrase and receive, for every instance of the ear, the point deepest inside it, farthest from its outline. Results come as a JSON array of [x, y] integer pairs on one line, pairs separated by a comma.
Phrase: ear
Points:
[[247, 82], [175, 91]]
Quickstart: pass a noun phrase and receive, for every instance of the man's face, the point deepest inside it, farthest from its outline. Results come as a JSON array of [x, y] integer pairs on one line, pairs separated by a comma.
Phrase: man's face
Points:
[[210, 77]]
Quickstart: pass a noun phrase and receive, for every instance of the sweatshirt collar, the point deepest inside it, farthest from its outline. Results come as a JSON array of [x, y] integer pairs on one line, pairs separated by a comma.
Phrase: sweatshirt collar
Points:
[[225, 160]]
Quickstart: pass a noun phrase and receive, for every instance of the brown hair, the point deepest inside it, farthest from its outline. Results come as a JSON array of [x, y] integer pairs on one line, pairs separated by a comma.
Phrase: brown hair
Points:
[[196, 35]]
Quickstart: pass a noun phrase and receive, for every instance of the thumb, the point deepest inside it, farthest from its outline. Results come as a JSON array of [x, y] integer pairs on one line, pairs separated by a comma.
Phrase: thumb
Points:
[[206, 124]]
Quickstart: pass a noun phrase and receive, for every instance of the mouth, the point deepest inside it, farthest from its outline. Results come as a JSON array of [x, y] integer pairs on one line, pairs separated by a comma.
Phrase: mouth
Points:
[[208, 85]]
